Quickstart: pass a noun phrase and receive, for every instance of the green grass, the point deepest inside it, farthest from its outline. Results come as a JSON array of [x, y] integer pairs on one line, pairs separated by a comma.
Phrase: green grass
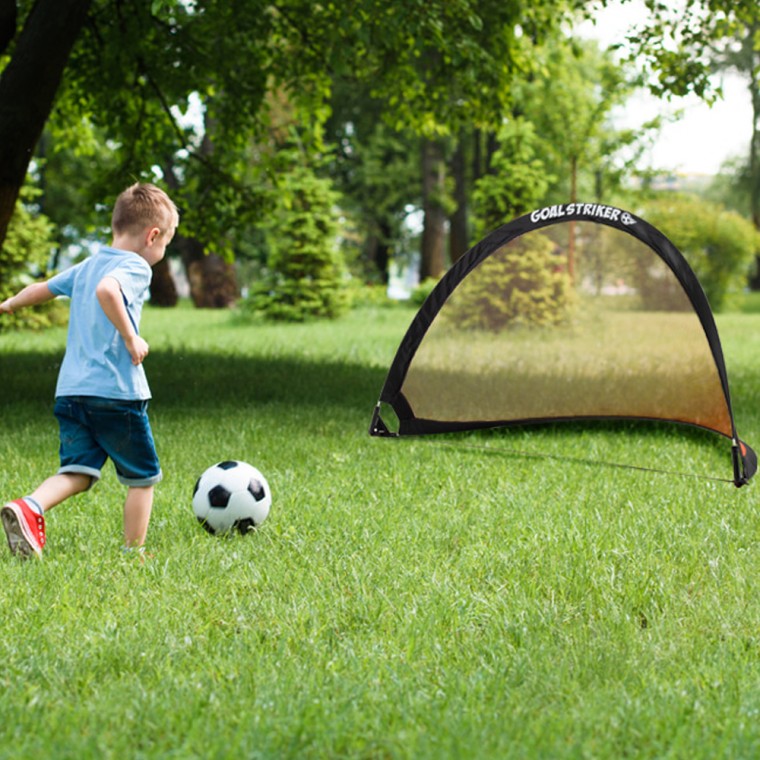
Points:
[[415, 598]]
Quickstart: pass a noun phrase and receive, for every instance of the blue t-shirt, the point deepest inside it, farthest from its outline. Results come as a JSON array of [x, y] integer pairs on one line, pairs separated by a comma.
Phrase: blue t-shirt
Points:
[[97, 362]]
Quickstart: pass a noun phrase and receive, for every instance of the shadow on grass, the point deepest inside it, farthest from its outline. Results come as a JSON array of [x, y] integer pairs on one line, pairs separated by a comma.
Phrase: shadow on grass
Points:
[[209, 380], [655, 446], [201, 381]]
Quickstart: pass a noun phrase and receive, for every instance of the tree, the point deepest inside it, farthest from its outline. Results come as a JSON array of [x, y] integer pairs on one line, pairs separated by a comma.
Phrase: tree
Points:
[[436, 66], [682, 47], [743, 56], [375, 168], [475, 77], [133, 66], [69, 193], [305, 276], [432, 260], [449, 83], [570, 107], [519, 179], [459, 233], [29, 83]]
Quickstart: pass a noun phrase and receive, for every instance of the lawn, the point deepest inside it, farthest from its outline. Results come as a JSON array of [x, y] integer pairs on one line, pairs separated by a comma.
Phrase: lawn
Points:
[[411, 598]]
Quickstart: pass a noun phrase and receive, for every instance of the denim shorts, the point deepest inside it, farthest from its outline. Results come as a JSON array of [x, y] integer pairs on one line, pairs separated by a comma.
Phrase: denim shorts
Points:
[[94, 429]]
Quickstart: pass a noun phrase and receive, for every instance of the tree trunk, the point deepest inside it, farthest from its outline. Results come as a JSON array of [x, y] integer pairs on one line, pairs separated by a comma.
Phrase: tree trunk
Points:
[[8, 14], [492, 145], [379, 252], [458, 237], [434, 225], [28, 86], [754, 153], [371, 252], [754, 146], [477, 155], [213, 282], [163, 289], [571, 223]]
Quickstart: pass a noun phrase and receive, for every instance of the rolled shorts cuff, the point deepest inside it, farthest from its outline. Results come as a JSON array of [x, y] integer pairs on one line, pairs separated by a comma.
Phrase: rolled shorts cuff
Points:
[[80, 469], [140, 482]]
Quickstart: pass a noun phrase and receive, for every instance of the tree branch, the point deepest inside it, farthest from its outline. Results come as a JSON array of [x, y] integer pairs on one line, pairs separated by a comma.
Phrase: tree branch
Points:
[[201, 157]]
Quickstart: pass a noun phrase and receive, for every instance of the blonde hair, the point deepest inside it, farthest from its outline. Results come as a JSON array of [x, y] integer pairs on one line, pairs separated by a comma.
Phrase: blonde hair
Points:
[[144, 205]]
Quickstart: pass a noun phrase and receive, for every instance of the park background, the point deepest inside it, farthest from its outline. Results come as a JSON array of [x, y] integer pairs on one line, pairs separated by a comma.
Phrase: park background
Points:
[[405, 598]]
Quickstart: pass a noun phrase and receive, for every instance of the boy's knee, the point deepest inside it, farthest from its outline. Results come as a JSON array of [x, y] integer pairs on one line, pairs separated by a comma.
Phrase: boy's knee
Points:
[[79, 481]]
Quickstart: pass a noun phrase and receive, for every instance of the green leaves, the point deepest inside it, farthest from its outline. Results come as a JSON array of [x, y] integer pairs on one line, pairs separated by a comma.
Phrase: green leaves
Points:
[[518, 180], [678, 45], [24, 255]]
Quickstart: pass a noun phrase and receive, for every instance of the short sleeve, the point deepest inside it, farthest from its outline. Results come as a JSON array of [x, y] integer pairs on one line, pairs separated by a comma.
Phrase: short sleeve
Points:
[[133, 275], [62, 284]]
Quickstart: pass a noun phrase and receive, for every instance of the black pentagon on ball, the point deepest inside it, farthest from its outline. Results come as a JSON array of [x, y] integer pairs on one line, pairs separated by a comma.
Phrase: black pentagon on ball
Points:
[[197, 484], [245, 525], [256, 489], [205, 525], [219, 497], [228, 465]]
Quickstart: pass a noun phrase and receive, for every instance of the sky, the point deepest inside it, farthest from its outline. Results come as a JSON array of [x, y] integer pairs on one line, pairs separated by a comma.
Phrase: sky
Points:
[[704, 137]]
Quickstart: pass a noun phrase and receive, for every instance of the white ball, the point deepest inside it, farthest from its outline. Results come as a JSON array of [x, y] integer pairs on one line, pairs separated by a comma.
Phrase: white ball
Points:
[[229, 495]]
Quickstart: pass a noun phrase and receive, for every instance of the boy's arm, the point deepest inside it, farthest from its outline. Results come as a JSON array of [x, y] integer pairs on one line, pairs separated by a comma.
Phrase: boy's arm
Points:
[[37, 292], [108, 292]]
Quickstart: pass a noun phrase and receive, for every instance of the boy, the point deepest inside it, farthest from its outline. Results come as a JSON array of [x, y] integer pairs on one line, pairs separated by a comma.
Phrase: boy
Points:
[[102, 392]]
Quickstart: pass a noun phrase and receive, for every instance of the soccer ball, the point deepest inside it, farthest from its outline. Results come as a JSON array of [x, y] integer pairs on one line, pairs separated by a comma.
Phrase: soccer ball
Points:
[[231, 495]]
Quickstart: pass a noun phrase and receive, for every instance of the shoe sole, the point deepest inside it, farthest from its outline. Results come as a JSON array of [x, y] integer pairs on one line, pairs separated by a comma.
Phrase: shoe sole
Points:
[[17, 541]]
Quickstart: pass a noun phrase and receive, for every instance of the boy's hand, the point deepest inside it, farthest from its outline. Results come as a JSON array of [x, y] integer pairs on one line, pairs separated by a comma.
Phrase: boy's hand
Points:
[[5, 306], [137, 347]]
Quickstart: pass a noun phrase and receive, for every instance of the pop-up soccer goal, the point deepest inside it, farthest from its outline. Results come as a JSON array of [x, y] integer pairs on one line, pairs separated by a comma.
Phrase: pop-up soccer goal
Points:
[[577, 311]]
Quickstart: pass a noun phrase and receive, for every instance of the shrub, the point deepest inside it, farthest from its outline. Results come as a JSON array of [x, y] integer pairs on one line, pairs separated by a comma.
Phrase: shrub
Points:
[[523, 285], [24, 256], [719, 245], [423, 290], [305, 273], [361, 294]]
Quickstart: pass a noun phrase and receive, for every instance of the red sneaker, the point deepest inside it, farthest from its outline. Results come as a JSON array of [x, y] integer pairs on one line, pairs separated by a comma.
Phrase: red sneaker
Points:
[[24, 527]]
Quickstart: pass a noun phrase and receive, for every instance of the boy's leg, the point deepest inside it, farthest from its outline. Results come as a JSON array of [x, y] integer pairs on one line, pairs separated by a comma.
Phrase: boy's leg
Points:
[[137, 509], [81, 460], [122, 430], [22, 519], [137, 467], [60, 487]]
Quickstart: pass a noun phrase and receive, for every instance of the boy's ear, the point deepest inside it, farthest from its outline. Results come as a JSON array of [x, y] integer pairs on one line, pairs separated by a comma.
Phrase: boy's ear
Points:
[[153, 234]]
